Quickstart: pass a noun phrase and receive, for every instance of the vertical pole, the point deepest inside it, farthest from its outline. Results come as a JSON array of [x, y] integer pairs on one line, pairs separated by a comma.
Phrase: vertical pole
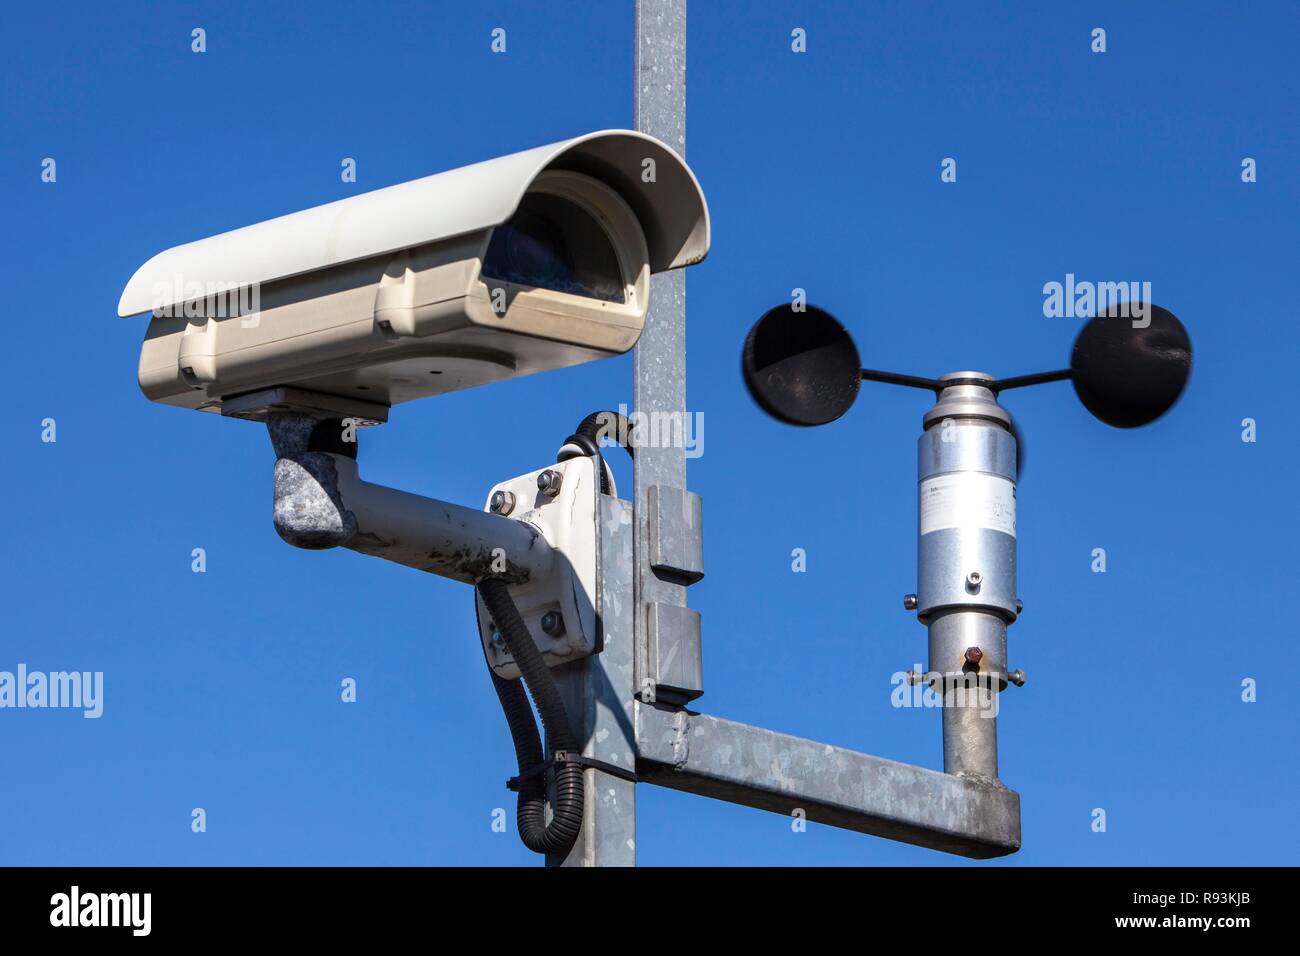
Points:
[[659, 365], [970, 696], [599, 690], [597, 694]]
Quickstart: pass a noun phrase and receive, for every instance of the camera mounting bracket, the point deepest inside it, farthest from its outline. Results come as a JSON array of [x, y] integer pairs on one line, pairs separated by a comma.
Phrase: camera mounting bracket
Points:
[[561, 502], [257, 406]]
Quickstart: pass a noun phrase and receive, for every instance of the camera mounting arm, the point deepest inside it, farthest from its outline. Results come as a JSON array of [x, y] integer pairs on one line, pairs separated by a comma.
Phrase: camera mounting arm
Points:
[[322, 502], [532, 554]]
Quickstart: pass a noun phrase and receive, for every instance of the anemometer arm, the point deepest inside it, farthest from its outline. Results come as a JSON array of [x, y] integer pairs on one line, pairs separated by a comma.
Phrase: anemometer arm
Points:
[[1038, 378], [897, 378], [936, 385]]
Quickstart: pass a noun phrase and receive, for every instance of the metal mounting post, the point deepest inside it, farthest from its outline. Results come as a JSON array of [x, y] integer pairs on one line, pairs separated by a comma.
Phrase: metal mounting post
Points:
[[598, 694], [599, 690], [667, 516]]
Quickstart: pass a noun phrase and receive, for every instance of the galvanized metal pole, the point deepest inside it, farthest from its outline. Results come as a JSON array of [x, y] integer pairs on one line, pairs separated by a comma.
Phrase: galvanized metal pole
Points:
[[599, 690], [659, 393], [597, 694]]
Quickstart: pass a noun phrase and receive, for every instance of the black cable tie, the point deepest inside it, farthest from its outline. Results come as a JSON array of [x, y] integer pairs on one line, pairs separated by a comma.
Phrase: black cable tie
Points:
[[564, 756]]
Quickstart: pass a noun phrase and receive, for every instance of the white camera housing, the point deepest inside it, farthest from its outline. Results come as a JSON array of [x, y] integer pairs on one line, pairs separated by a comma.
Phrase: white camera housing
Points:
[[528, 262]]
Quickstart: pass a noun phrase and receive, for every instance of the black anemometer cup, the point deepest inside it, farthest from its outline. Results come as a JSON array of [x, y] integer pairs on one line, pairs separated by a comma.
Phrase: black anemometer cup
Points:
[[1129, 375], [802, 368]]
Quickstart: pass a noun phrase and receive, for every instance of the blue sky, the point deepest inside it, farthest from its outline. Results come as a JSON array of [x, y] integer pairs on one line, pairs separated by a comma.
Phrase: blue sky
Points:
[[822, 172]]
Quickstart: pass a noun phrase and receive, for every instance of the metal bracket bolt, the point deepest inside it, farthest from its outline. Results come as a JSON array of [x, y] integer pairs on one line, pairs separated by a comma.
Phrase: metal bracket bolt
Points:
[[548, 482], [909, 602], [553, 624], [973, 581], [1017, 677], [503, 502]]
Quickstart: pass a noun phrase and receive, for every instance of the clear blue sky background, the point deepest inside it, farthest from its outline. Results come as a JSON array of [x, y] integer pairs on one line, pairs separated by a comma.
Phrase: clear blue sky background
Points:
[[822, 171]]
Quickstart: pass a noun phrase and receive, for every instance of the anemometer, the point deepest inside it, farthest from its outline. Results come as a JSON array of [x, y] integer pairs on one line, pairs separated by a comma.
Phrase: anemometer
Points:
[[803, 368]]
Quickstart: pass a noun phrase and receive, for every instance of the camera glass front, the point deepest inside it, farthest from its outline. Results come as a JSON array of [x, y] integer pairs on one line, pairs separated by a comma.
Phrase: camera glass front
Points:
[[552, 243]]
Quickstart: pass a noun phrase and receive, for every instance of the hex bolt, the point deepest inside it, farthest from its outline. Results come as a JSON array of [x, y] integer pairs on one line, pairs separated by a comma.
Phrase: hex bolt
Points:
[[974, 655], [553, 624], [503, 502], [1017, 677], [973, 581], [548, 482], [909, 602], [1020, 606]]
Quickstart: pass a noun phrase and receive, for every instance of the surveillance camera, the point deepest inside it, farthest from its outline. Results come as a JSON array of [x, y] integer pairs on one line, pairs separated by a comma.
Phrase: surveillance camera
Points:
[[528, 262]]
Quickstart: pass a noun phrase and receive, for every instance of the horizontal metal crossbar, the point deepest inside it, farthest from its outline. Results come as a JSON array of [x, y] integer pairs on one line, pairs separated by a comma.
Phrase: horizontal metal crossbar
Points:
[[695, 753]]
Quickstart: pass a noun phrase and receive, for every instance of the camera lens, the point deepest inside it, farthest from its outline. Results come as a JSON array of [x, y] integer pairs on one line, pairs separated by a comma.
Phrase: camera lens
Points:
[[552, 243]]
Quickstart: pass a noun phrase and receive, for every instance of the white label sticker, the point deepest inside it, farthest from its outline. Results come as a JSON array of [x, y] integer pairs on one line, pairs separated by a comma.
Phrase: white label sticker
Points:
[[968, 500]]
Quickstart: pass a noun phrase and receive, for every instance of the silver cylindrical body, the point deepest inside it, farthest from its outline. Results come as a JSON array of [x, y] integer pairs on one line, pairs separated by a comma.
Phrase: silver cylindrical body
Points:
[[966, 563]]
